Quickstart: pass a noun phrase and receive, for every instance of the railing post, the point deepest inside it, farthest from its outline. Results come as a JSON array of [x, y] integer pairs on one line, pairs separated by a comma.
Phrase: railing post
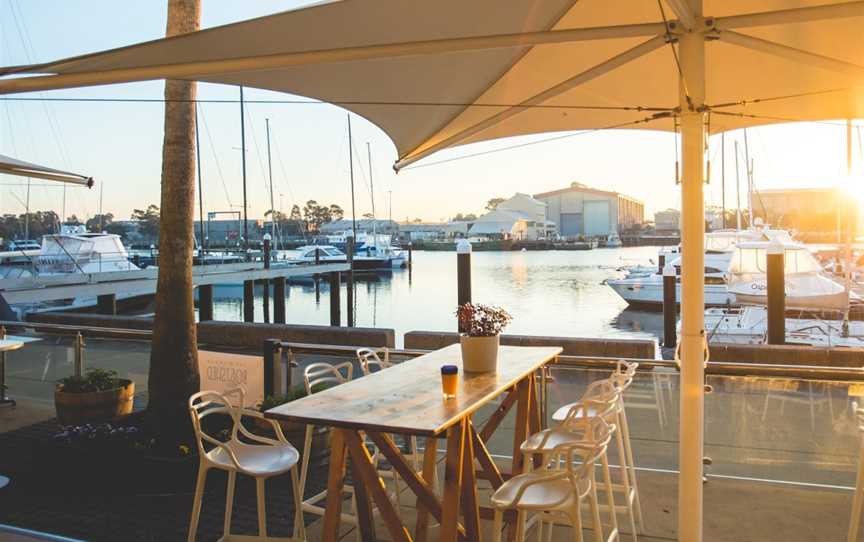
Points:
[[463, 274], [279, 300], [349, 291], [248, 301], [335, 303], [776, 294], [670, 307], [205, 303], [78, 365]]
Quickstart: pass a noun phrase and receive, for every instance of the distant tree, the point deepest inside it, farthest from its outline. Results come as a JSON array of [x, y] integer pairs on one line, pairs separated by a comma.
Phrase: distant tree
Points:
[[98, 222], [74, 220], [148, 221], [492, 204], [418, 220], [295, 213], [116, 229], [464, 218], [315, 215], [336, 212]]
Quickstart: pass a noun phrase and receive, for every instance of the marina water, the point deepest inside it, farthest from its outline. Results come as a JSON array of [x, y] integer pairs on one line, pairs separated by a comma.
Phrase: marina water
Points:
[[548, 293]]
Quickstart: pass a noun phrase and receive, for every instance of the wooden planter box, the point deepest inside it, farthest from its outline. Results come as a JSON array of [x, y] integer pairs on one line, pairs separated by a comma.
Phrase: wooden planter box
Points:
[[94, 407]]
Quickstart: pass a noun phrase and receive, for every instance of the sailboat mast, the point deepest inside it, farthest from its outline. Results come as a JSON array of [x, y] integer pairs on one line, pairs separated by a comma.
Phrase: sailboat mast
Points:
[[200, 186], [723, 176], [749, 169], [372, 193], [351, 173], [243, 163], [737, 190], [272, 208], [27, 212]]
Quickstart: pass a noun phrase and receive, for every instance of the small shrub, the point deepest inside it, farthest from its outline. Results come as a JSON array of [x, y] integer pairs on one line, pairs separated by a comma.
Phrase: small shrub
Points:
[[94, 380]]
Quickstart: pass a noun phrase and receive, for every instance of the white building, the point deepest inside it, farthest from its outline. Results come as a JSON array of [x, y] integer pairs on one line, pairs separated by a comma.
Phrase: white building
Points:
[[520, 218], [668, 220]]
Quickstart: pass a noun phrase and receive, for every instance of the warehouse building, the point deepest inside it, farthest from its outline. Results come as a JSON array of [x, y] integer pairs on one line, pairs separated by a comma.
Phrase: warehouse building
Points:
[[581, 210]]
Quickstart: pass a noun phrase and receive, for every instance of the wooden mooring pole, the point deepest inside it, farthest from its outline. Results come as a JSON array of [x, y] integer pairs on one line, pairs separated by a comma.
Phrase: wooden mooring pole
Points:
[[248, 301], [670, 307], [279, 300], [266, 281], [776, 294], [205, 302], [463, 274], [335, 302], [349, 292]]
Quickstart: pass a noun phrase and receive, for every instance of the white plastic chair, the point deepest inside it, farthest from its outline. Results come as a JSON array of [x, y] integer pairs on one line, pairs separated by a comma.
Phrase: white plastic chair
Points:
[[261, 459], [371, 362], [557, 490], [858, 498], [315, 377], [620, 379]]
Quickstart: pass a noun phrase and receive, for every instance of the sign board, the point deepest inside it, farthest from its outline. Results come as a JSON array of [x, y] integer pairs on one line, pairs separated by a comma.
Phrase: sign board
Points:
[[221, 372]]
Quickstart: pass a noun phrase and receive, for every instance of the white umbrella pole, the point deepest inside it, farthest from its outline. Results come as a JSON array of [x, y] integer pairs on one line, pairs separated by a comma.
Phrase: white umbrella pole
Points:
[[692, 59]]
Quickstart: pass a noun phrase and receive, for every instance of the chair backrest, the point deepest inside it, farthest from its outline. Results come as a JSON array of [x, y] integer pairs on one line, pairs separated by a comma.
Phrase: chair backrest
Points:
[[623, 374], [321, 374], [207, 402], [598, 434], [370, 362]]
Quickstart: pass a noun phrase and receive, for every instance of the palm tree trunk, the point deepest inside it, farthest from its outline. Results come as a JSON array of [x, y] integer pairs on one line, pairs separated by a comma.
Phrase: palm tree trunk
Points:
[[174, 353]]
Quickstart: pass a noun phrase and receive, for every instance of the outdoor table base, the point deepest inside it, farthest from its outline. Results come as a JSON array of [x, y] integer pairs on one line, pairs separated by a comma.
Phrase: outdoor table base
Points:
[[464, 445], [6, 345]]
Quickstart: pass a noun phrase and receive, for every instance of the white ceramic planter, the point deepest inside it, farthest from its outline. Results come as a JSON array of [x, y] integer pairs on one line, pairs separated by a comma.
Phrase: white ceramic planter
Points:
[[479, 354]]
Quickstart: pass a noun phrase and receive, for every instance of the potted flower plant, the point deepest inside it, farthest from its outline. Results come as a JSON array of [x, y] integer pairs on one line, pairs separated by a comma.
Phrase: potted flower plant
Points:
[[98, 396], [481, 327]]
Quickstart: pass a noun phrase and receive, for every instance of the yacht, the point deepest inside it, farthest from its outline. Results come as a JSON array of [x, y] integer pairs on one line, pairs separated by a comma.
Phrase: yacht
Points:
[[613, 241], [330, 254], [75, 250], [370, 244], [641, 288], [815, 302]]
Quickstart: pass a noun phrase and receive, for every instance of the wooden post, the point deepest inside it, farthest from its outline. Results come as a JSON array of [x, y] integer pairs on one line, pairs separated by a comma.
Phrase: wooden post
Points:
[[410, 255], [317, 277], [463, 273], [670, 307], [349, 292], [248, 301], [335, 303], [776, 295], [661, 263], [279, 300], [107, 304], [265, 280], [205, 302]]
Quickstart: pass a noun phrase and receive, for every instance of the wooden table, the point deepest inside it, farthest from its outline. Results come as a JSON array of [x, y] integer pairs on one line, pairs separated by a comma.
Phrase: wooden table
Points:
[[406, 400], [6, 345]]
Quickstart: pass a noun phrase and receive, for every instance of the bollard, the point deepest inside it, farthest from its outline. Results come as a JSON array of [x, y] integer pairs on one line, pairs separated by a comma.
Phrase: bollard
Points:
[[248, 301], [279, 300], [349, 292], [670, 307], [277, 375], [205, 303], [335, 304], [266, 280], [78, 364], [106, 304], [463, 273], [661, 263], [776, 294]]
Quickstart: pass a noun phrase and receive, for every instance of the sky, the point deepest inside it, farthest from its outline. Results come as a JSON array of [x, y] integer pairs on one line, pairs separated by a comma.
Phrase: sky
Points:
[[119, 144]]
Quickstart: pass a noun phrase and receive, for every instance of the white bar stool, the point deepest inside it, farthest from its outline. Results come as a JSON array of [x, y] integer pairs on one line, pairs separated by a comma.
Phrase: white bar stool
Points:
[[556, 490], [621, 379], [265, 459]]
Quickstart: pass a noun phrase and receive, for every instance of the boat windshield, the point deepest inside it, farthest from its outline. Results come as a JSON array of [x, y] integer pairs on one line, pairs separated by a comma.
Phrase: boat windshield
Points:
[[749, 259]]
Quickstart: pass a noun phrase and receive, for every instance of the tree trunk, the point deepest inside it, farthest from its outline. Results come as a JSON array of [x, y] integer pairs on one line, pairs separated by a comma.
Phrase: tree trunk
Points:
[[174, 353]]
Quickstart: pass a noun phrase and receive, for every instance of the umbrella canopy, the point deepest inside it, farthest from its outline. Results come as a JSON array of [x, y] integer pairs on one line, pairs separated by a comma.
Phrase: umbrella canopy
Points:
[[12, 166], [453, 72], [435, 75]]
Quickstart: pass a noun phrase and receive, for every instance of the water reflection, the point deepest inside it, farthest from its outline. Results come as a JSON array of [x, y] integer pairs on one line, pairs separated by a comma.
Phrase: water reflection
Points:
[[548, 293]]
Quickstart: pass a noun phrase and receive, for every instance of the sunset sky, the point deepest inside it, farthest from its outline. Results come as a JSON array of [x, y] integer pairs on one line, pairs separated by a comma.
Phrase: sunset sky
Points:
[[119, 144]]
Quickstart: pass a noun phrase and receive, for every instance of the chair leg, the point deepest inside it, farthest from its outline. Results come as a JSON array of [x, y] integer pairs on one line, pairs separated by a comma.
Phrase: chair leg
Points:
[[299, 524], [520, 526], [262, 506], [576, 521], [196, 502], [595, 513], [549, 527], [631, 469], [610, 497], [624, 470], [497, 525], [229, 503], [304, 467]]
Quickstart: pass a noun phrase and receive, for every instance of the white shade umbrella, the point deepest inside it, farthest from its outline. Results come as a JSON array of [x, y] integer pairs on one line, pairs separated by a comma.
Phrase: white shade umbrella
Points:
[[434, 75], [13, 166]]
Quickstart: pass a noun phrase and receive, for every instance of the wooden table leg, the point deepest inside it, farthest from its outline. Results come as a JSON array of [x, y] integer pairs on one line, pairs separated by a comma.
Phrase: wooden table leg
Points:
[[534, 420], [452, 481], [365, 520], [520, 432], [470, 510], [430, 458], [368, 477], [335, 483]]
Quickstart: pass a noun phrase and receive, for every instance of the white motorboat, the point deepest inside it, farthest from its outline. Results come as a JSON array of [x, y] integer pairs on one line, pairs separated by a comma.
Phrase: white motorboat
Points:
[[642, 289], [75, 250], [749, 325], [330, 254], [613, 240]]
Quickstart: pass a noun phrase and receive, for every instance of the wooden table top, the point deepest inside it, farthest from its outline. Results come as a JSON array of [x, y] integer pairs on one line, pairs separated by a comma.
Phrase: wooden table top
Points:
[[7, 345], [407, 398]]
